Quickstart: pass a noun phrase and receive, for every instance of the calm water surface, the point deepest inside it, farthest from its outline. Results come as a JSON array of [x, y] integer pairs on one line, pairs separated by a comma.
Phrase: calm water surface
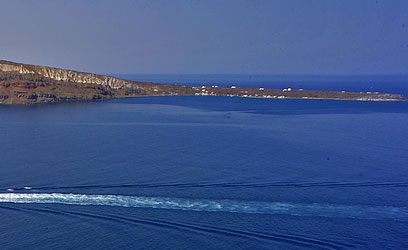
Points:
[[204, 172]]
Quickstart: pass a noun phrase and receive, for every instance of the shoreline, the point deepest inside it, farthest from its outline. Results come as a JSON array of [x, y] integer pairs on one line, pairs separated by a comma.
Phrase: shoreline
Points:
[[30, 84], [129, 97]]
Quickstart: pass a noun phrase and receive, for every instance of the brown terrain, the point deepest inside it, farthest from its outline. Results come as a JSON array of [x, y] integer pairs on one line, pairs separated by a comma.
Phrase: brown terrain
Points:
[[30, 84]]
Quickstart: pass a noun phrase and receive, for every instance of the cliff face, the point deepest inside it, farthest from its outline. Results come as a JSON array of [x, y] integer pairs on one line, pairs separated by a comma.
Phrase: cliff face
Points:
[[28, 88], [66, 75], [29, 84]]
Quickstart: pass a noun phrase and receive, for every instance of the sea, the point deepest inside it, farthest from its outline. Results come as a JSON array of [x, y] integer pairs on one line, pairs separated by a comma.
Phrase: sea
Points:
[[202, 172]]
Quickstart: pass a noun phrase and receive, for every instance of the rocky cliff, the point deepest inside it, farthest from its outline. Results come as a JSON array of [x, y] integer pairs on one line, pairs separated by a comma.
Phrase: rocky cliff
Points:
[[29, 84], [65, 75]]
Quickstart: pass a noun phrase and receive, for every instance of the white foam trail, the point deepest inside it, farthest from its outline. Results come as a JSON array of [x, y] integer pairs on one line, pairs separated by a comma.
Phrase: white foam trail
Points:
[[297, 209]]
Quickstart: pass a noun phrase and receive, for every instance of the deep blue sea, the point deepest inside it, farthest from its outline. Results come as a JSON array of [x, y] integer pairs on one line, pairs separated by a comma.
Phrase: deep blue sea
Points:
[[207, 172]]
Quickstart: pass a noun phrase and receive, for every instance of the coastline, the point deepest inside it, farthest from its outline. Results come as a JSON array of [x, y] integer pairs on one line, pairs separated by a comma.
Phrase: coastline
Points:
[[381, 98], [30, 84]]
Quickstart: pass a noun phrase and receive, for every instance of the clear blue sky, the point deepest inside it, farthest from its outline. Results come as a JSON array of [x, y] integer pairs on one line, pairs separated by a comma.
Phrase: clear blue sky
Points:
[[209, 36]]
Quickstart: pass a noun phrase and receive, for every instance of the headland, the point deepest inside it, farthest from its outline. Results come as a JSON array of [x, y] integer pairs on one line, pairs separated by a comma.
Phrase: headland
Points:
[[32, 84]]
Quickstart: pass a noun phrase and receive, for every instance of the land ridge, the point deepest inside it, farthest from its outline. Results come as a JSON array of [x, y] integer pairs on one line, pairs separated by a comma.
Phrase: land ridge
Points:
[[31, 84]]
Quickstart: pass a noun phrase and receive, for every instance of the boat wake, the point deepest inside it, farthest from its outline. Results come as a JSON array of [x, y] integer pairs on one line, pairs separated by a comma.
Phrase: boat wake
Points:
[[282, 208]]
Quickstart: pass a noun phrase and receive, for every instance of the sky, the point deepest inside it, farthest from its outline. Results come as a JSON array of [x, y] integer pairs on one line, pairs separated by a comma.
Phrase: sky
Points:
[[278, 37]]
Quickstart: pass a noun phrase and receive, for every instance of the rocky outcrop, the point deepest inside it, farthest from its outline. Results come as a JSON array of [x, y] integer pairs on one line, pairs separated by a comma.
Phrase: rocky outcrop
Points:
[[30, 88], [66, 75], [30, 84]]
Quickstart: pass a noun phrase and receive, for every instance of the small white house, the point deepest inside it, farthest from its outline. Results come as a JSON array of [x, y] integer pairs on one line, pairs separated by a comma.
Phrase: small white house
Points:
[[233, 87]]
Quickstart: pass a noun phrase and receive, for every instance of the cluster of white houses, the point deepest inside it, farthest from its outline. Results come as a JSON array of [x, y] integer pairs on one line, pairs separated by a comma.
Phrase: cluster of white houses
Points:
[[204, 90], [244, 93]]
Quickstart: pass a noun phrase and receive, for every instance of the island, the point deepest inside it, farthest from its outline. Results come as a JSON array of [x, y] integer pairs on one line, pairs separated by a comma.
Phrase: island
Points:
[[32, 84]]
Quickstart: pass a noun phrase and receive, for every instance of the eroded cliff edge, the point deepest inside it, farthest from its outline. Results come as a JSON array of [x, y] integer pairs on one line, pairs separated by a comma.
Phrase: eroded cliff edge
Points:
[[64, 75], [29, 84]]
